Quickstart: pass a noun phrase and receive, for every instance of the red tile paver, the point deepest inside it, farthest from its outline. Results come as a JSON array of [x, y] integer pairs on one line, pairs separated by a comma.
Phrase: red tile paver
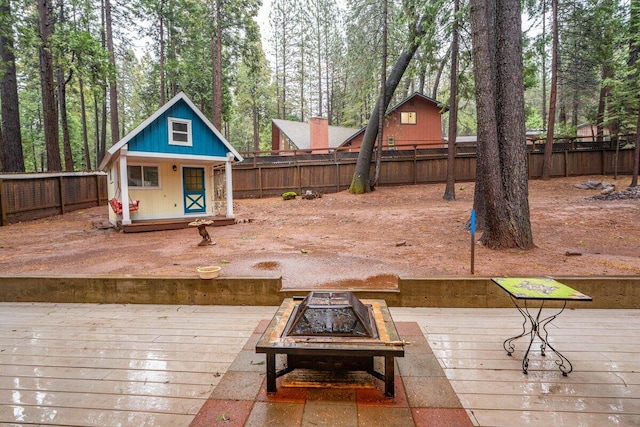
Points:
[[441, 417], [278, 414], [376, 397], [262, 326], [423, 395], [284, 394], [408, 329], [231, 413], [373, 416]]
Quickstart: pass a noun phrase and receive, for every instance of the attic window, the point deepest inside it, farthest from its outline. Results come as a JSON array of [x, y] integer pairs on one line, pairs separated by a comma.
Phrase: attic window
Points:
[[180, 132], [408, 118]]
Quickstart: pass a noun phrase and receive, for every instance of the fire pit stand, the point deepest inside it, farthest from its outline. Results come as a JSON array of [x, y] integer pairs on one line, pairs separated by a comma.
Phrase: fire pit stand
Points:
[[335, 348]]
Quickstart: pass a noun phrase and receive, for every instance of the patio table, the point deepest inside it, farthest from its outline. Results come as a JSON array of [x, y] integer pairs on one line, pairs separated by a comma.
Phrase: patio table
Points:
[[524, 291]]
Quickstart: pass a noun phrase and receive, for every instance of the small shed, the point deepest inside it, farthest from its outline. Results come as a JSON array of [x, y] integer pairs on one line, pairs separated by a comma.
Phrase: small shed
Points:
[[171, 169]]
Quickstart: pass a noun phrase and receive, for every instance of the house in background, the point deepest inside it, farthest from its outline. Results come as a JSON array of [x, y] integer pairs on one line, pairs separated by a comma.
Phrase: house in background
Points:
[[173, 168], [415, 122], [588, 132], [315, 137]]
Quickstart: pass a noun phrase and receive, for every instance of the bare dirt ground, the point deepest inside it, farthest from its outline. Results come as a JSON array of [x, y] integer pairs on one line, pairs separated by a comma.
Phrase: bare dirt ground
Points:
[[343, 240]]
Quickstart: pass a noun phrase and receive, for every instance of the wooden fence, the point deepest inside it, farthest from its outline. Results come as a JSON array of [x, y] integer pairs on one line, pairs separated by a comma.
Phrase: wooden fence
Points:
[[256, 179], [25, 197]]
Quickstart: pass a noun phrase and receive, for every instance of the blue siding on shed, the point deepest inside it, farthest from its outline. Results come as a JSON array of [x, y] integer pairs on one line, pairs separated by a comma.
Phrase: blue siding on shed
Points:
[[155, 137]]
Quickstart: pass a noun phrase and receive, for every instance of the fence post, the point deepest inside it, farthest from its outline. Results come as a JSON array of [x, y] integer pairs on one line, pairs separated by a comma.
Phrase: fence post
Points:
[[98, 188], [61, 191], [3, 210], [415, 164]]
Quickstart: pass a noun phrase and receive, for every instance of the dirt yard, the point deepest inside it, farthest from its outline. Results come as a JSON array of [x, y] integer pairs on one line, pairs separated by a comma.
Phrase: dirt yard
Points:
[[346, 240]]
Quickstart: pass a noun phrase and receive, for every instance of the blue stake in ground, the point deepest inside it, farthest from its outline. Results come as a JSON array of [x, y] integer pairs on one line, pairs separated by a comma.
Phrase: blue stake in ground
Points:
[[472, 227]]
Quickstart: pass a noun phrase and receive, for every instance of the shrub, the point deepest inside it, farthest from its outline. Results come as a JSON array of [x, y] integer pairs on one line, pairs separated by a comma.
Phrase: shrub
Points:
[[289, 195]]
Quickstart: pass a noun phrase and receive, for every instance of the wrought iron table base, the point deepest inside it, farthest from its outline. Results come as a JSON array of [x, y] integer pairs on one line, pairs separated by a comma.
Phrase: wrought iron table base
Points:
[[532, 325]]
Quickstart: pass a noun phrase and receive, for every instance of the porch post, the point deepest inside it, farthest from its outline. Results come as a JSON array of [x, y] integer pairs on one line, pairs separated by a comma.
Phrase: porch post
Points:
[[229, 182], [124, 187]]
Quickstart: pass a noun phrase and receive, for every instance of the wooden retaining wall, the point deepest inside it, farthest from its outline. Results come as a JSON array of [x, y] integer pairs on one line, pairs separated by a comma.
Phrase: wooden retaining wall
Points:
[[459, 292]]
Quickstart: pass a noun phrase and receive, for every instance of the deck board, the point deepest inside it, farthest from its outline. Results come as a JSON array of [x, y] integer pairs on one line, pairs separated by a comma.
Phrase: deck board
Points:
[[91, 364], [603, 346]]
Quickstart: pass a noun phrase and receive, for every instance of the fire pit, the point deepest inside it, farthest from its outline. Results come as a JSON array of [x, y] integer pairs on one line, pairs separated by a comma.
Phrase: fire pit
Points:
[[332, 331]]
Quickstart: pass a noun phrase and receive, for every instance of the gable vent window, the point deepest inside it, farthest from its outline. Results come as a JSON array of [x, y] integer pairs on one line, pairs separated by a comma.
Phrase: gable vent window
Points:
[[408, 118], [180, 132]]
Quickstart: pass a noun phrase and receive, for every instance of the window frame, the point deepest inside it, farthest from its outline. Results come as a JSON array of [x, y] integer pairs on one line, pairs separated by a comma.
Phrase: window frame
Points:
[[142, 168], [405, 117], [174, 120]]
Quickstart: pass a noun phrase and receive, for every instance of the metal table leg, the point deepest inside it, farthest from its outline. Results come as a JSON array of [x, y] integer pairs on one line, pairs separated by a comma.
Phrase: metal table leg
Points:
[[389, 376], [271, 373], [531, 326]]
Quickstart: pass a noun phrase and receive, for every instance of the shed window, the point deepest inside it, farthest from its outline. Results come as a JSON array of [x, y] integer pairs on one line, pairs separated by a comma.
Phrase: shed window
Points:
[[408, 118], [143, 176], [180, 132]]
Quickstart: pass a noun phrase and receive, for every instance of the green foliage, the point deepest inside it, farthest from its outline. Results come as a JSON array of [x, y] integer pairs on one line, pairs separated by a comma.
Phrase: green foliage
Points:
[[289, 195], [315, 50]]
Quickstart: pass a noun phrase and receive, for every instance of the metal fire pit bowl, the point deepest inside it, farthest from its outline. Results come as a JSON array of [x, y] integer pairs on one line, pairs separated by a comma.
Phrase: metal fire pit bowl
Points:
[[331, 331]]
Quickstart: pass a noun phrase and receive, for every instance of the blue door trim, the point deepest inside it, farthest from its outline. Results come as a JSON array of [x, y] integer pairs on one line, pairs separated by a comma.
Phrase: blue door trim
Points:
[[193, 190]]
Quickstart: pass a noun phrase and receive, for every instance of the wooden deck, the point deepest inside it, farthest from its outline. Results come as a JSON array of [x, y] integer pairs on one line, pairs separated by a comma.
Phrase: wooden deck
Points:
[[87, 364], [138, 226]]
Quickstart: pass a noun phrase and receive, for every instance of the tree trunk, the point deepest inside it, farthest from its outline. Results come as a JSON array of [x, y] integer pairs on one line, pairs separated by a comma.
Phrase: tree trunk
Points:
[[383, 79], [512, 129], [544, 65], [1, 150], [548, 146], [50, 112], [113, 81], [636, 153], [85, 134], [64, 121], [602, 102], [450, 188], [11, 156], [256, 126], [634, 51], [319, 59], [361, 183], [436, 82], [163, 87], [501, 190], [62, 103], [103, 124], [216, 59], [487, 191]]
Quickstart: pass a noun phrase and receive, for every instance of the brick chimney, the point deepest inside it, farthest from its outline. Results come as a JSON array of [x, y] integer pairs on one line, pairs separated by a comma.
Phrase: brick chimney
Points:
[[319, 132]]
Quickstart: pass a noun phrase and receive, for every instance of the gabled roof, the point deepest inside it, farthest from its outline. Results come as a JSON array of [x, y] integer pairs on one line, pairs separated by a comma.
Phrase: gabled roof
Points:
[[442, 107], [111, 152], [409, 98], [299, 133]]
